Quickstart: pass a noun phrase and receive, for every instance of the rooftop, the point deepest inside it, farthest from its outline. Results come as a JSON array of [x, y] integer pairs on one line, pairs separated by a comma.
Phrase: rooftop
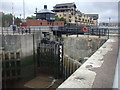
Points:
[[65, 4], [94, 16], [45, 10]]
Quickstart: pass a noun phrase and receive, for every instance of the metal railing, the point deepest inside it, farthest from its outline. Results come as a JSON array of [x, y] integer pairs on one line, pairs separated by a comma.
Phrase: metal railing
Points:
[[69, 30]]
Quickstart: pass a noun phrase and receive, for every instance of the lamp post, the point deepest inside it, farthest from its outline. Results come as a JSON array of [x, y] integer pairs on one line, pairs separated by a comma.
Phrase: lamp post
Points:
[[109, 26], [109, 20]]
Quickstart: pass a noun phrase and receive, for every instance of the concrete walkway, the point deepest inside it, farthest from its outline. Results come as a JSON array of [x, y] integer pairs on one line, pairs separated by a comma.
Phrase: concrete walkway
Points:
[[105, 74], [116, 83]]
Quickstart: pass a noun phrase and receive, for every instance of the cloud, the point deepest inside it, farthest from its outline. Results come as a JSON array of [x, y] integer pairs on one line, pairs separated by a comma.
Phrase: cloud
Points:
[[104, 9]]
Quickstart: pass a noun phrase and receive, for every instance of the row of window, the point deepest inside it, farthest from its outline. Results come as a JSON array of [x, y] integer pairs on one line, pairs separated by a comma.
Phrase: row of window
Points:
[[75, 18], [83, 20], [52, 24]]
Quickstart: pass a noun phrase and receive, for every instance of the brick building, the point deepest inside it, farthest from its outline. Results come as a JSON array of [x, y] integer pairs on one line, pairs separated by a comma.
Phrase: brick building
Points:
[[44, 23]]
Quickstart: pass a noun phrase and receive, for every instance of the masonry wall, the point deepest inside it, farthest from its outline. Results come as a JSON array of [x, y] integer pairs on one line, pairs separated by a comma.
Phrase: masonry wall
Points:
[[20, 43], [82, 46], [18, 59]]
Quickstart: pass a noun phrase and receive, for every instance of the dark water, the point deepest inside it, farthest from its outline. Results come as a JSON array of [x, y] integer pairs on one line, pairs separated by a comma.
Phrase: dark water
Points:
[[33, 77]]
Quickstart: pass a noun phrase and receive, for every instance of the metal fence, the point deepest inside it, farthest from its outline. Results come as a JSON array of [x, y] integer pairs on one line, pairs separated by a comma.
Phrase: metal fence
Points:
[[68, 30]]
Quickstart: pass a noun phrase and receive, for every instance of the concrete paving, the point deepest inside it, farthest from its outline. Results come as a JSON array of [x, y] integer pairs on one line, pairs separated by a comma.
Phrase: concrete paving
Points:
[[116, 83], [105, 74]]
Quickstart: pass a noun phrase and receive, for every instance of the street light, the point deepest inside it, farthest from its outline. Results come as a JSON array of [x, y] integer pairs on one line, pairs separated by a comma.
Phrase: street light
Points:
[[109, 26], [109, 20]]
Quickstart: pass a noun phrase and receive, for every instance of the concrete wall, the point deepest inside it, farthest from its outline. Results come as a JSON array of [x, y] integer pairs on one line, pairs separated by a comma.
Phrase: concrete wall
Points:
[[82, 46], [11, 43], [20, 43], [0, 62], [0, 40]]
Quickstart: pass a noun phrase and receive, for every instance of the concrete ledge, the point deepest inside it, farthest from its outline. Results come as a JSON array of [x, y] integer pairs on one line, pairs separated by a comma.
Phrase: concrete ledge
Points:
[[85, 76]]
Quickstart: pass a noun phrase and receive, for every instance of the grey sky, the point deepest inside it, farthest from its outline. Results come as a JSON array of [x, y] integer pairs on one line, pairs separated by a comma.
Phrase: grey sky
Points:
[[104, 9]]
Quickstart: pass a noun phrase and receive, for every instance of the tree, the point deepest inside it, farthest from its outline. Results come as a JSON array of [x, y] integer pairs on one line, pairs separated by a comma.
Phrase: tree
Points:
[[17, 20], [60, 19], [31, 18], [7, 20]]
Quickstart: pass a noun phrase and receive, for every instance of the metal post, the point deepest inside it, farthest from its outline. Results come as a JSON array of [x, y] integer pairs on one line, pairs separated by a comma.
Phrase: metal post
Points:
[[88, 32], [69, 67], [108, 33], [109, 26], [77, 32], [99, 32]]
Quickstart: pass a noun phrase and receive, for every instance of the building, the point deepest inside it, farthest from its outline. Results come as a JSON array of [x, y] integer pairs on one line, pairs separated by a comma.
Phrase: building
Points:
[[66, 10], [44, 23], [69, 12], [45, 14], [93, 19], [44, 17], [108, 24]]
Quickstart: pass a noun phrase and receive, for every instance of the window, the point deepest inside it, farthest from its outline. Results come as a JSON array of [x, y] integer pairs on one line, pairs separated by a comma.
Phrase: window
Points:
[[41, 23], [69, 20], [83, 20], [65, 15], [53, 24]]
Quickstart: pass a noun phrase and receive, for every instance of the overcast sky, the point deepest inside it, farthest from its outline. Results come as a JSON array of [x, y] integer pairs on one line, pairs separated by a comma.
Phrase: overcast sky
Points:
[[104, 9]]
